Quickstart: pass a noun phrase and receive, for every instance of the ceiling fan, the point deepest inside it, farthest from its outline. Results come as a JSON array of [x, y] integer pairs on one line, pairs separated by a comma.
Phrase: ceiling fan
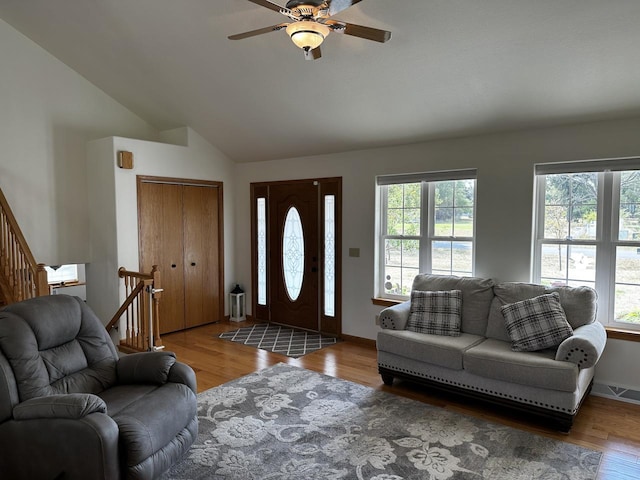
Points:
[[311, 23]]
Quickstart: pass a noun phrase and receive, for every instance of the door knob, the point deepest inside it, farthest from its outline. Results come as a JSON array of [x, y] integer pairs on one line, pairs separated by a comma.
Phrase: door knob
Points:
[[173, 265], [193, 264]]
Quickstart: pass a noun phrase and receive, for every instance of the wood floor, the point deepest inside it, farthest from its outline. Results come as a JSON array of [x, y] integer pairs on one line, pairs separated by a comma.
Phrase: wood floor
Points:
[[606, 425]]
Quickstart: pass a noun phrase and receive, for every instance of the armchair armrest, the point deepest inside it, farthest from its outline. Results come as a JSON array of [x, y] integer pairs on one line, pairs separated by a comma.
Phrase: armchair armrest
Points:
[[395, 317], [183, 373], [73, 448], [145, 367], [585, 346], [70, 406]]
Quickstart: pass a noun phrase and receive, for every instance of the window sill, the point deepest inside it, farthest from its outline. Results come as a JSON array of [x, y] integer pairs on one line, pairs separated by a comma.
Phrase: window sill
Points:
[[385, 302], [622, 334]]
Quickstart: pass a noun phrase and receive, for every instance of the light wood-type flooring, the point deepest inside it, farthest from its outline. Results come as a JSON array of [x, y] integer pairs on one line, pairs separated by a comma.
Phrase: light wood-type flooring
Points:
[[610, 426]]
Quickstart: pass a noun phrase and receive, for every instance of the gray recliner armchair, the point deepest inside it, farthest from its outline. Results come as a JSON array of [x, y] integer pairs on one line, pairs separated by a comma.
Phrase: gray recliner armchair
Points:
[[71, 409]]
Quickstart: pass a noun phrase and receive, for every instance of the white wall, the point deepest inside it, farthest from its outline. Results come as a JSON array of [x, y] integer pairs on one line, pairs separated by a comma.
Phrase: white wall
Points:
[[504, 204], [47, 114], [114, 212]]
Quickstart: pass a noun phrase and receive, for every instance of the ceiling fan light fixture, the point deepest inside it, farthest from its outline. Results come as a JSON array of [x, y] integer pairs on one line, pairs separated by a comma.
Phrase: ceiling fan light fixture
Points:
[[307, 34]]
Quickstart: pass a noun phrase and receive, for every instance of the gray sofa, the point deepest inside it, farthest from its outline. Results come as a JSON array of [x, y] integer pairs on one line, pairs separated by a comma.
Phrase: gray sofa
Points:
[[71, 409], [480, 362]]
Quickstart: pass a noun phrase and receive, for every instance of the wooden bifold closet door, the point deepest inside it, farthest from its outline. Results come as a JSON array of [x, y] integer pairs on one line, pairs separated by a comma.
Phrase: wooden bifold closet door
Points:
[[180, 230]]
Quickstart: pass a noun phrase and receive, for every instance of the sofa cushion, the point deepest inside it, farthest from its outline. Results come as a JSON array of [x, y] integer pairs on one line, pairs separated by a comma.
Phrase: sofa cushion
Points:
[[536, 323], [495, 359], [579, 304], [436, 313], [119, 397], [477, 294], [440, 350], [145, 428]]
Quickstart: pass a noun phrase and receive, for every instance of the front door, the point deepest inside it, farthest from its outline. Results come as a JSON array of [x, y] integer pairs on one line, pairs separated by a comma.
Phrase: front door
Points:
[[296, 253], [293, 234]]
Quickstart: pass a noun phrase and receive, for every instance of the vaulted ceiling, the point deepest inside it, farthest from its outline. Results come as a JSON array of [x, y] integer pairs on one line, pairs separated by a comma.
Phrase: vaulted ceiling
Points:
[[452, 68]]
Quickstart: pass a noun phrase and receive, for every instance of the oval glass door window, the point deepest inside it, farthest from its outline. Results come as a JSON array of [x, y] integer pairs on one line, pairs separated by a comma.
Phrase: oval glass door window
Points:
[[293, 253]]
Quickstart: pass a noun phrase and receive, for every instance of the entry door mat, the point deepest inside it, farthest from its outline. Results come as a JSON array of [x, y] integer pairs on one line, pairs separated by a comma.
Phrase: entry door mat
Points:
[[274, 338]]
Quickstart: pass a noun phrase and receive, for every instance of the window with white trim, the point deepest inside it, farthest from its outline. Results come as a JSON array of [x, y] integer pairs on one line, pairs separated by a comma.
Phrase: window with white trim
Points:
[[426, 225], [588, 233]]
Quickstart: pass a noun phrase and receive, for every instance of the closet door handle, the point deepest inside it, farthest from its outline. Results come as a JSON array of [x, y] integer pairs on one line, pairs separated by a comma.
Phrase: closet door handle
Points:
[[173, 265], [193, 264]]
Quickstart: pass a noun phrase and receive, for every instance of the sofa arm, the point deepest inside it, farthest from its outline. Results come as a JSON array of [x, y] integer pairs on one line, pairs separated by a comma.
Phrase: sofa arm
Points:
[[585, 346], [145, 367], [71, 406], [183, 373], [395, 317]]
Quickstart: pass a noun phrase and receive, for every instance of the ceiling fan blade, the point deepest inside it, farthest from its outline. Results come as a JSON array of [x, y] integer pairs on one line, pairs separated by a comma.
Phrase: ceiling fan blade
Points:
[[367, 33], [267, 4], [314, 54], [259, 31], [336, 6]]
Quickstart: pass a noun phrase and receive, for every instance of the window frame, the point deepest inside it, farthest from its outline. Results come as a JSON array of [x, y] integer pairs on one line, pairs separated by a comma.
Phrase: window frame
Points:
[[607, 238], [426, 237]]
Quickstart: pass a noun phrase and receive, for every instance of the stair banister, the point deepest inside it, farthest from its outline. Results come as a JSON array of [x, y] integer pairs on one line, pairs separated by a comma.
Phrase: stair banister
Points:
[[21, 277]]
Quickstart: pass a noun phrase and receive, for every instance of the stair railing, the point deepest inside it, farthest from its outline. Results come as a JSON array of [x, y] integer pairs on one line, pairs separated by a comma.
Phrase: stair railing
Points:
[[20, 276], [141, 311]]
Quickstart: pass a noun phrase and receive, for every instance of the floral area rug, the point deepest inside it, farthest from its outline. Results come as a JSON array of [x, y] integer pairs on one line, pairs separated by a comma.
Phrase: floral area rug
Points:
[[288, 423]]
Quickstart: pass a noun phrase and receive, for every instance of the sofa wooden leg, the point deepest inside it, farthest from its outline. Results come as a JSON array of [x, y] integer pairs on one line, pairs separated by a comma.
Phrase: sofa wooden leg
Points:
[[387, 379]]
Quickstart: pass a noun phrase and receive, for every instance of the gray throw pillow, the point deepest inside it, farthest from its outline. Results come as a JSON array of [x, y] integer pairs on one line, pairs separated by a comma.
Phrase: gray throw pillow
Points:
[[536, 323], [436, 313]]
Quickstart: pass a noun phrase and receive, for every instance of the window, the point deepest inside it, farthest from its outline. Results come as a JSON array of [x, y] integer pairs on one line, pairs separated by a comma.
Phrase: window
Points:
[[426, 226], [62, 274], [261, 241], [588, 233], [330, 255]]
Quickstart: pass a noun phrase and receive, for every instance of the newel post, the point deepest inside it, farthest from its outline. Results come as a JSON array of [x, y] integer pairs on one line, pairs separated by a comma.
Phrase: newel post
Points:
[[42, 283]]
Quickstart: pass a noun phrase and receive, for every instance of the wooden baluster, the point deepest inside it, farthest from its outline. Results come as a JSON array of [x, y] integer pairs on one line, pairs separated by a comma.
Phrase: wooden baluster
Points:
[[5, 248], [138, 332], [134, 329], [144, 297], [3, 234], [134, 318], [12, 259], [132, 338], [128, 313], [20, 276], [155, 274], [142, 320], [141, 323], [134, 323]]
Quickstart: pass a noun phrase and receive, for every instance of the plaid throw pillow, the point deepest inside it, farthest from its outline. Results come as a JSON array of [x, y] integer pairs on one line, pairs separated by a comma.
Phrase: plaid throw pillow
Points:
[[536, 323], [437, 313]]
